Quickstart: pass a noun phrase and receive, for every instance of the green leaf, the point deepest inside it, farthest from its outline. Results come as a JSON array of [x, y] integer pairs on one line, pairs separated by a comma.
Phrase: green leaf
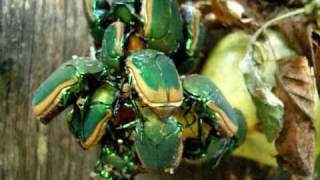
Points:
[[269, 114], [258, 69], [269, 108]]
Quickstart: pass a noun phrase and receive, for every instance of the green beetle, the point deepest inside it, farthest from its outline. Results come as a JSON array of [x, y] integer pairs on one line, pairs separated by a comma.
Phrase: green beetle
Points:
[[202, 91], [154, 76], [97, 17], [194, 33], [162, 25], [113, 46], [62, 87], [211, 127], [158, 142], [116, 44], [89, 117]]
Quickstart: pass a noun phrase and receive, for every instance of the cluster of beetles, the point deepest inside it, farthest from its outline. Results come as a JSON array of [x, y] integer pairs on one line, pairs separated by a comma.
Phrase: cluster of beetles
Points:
[[136, 95]]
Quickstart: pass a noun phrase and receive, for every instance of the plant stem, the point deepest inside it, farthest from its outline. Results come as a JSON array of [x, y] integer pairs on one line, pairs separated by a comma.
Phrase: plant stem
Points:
[[271, 22], [276, 19]]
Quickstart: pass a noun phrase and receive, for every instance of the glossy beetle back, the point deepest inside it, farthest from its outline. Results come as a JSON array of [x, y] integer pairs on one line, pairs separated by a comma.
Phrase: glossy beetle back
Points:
[[194, 33], [96, 13], [158, 144], [113, 45], [162, 25], [124, 10], [205, 90], [155, 78], [88, 123], [56, 92]]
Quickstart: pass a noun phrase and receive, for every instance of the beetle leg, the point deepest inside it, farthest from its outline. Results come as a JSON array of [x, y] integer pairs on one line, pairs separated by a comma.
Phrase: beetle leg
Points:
[[188, 119], [128, 125], [185, 114], [218, 148]]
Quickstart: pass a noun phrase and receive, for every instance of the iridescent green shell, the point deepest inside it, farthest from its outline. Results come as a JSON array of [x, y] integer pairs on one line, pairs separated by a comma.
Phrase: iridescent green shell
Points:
[[88, 123], [96, 11], [155, 78], [205, 91], [191, 47], [158, 144], [113, 44], [62, 85], [162, 28], [124, 10]]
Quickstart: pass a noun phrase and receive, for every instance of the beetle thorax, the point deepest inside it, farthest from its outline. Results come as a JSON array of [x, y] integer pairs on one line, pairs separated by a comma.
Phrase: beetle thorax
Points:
[[161, 111]]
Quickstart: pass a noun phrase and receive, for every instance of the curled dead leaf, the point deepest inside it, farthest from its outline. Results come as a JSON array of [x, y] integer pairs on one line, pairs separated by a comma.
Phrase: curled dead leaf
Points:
[[296, 142], [230, 12], [295, 31], [258, 68]]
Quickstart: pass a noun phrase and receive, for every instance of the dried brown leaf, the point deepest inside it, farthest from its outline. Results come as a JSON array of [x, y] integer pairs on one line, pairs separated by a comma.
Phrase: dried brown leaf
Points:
[[296, 143], [305, 41], [296, 32], [314, 39], [231, 12]]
